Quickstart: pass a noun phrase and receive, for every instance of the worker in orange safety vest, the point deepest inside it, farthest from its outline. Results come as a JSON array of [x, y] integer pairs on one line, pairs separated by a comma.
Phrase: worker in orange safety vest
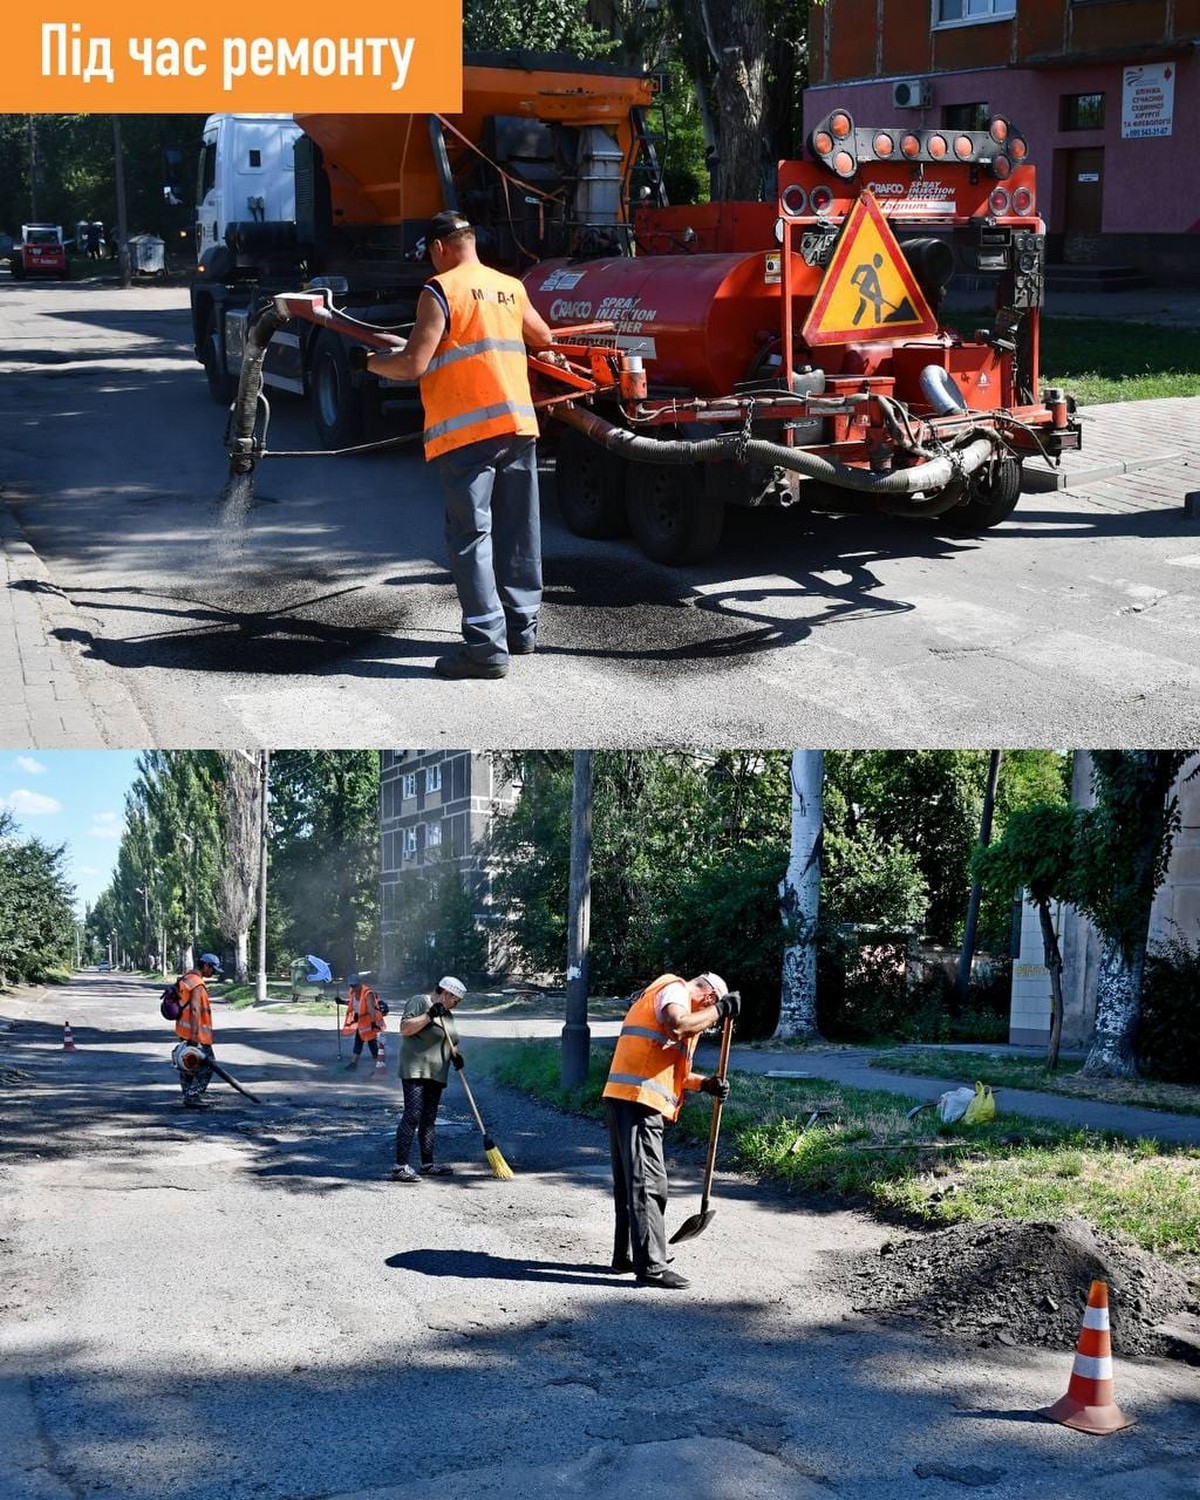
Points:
[[651, 1071], [365, 1018], [468, 350], [194, 1026]]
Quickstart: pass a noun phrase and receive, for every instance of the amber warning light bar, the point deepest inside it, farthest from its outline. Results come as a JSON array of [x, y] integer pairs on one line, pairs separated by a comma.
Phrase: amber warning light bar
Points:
[[842, 147]]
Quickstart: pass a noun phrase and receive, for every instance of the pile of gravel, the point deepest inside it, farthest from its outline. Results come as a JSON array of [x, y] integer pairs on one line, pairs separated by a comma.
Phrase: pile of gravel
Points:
[[1022, 1284]]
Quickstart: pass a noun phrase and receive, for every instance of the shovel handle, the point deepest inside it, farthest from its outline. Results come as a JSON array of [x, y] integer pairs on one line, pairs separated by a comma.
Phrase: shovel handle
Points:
[[718, 1106]]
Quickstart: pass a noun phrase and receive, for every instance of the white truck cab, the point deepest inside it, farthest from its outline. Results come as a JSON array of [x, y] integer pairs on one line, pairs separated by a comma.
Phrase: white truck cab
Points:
[[247, 174]]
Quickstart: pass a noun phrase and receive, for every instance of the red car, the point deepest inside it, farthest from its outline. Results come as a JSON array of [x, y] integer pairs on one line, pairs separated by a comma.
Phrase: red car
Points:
[[41, 251]]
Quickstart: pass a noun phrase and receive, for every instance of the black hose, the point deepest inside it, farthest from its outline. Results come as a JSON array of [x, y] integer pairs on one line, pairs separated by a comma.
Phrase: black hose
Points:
[[250, 384], [937, 474]]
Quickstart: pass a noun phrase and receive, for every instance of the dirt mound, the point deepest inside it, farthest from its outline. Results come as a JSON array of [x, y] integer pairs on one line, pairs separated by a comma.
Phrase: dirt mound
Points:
[[1022, 1283]]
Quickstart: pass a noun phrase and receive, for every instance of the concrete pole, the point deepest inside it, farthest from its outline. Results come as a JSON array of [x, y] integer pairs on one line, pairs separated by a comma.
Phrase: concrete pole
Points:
[[122, 217], [260, 988], [800, 895], [963, 978], [576, 1037]]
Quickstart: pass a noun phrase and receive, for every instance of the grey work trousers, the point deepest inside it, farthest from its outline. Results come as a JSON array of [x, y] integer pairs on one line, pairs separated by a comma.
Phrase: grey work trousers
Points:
[[493, 533], [635, 1137]]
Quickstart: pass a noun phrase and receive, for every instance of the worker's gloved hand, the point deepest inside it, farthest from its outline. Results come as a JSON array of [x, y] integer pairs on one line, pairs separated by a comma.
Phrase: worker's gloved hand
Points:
[[717, 1087], [437, 1010], [729, 1006], [357, 356], [457, 1059]]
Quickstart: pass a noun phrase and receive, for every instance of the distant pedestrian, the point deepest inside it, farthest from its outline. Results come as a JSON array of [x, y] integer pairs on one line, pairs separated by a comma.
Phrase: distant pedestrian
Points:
[[428, 1050], [194, 1027], [94, 232], [365, 1019], [651, 1071]]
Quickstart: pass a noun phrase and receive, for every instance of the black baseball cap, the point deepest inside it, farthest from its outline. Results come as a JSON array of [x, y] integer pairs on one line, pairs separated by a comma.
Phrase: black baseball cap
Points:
[[443, 225]]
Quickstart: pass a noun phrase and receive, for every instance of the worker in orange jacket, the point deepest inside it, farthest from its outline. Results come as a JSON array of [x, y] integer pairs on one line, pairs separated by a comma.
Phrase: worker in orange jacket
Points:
[[468, 350], [194, 1027], [365, 1018], [650, 1074]]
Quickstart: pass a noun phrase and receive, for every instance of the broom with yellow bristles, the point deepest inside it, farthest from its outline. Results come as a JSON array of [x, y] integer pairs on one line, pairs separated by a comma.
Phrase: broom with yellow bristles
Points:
[[495, 1158]]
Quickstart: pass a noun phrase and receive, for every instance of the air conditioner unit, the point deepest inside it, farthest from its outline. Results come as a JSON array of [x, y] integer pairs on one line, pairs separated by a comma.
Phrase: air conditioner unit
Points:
[[911, 93]]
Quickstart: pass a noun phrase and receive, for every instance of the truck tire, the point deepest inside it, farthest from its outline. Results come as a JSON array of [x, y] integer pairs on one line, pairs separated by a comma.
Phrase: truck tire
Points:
[[673, 518], [992, 498], [222, 387], [337, 407], [590, 484]]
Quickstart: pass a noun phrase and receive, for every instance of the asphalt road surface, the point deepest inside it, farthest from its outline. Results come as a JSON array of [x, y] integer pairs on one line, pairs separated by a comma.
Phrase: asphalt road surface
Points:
[[316, 621], [237, 1305]]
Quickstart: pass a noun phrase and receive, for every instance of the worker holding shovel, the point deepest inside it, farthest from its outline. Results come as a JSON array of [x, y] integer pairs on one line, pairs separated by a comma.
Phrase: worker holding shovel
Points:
[[651, 1071], [428, 1048]]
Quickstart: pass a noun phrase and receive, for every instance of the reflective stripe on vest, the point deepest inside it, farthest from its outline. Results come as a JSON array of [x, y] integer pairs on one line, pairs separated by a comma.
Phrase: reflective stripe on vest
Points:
[[477, 383], [650, 1065]]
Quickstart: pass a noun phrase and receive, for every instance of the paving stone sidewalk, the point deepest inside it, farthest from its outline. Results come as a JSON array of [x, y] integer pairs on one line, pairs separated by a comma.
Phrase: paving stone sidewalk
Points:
[[51, 697]]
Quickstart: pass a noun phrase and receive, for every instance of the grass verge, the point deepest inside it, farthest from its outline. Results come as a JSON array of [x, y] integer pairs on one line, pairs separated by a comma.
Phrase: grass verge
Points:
[[1003, 1071], [866, 1152]]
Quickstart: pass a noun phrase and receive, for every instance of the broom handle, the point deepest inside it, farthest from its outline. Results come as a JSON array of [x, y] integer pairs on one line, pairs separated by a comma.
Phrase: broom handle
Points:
[[462, 1078], [718, 1106]]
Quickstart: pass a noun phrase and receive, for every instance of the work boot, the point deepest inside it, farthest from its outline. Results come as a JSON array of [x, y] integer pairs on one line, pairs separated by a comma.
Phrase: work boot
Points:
[[669, 1280], [404, 1174], [522, 645], [459, 665], [436, 1169]]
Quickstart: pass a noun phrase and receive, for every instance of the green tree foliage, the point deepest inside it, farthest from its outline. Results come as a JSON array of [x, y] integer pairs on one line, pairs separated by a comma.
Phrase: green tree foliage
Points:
[[37, 920], [435, 930], [532, 26], [67, 162], [324, 873]]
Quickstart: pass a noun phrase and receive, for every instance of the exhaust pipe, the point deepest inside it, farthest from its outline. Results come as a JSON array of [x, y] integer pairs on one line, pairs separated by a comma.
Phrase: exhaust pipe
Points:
[[894, 491]]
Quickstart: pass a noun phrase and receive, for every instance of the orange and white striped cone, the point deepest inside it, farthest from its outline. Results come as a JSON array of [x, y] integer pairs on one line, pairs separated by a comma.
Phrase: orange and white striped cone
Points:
[[68, 1039], [1088, 1405]]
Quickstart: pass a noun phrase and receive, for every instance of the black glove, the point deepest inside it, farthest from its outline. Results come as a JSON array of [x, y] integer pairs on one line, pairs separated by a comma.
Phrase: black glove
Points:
[[437, 1010], [717, 1087], [729, 1006], [384, 1008], [457, 1059], [357, 356]]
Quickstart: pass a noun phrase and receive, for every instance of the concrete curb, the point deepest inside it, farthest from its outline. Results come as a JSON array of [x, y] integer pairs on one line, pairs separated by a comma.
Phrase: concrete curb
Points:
[[66, 700], [1040, 481]]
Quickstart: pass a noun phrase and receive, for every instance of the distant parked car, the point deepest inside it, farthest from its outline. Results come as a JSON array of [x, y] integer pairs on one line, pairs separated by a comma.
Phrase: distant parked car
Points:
[[41, 251], [103, 968]]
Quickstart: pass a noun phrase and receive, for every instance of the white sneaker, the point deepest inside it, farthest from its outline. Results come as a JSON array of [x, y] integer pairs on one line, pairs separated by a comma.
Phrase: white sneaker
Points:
[[404, 1174]]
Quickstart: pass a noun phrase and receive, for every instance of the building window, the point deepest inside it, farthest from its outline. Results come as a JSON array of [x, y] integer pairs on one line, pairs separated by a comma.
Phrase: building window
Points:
[[410, 842], [408, 784], [433, 778], [433, 836], [1081, 112], [960, 12], [966, 117]]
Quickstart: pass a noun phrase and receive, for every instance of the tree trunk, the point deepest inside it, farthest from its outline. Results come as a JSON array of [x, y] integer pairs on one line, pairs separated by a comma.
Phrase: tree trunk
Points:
[[800, 893], [1052, 957], [1118, 1001], [740, 104], [241, 963]]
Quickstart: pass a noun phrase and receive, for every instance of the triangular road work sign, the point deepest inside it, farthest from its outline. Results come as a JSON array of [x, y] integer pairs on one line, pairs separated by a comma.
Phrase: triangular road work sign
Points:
[[868, 290]]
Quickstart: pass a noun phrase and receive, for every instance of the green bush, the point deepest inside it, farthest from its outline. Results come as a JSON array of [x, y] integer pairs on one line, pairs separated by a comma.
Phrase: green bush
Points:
[[1169, 1030], [863, 991]]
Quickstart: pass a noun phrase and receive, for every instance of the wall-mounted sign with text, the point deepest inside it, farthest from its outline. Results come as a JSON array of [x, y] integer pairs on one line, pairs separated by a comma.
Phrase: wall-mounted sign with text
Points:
[[1147, 100]]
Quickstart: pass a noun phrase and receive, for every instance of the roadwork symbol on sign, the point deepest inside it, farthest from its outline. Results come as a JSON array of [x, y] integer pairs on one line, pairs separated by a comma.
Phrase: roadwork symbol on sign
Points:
[[868, 290]]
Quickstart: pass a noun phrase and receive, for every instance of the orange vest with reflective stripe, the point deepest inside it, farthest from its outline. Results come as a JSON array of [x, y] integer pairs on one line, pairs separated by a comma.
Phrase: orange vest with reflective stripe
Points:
[[363, 1014], [195, 1019], [477, 383], [649, 1066]]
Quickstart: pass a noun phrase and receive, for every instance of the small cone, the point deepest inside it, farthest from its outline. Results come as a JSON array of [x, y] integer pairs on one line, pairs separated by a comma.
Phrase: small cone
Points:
[[68, 1039], [381, 1058], [1088, 1405]]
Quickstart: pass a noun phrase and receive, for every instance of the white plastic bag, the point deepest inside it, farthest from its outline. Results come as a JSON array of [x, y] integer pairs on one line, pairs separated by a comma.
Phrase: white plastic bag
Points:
[[952, 1105]]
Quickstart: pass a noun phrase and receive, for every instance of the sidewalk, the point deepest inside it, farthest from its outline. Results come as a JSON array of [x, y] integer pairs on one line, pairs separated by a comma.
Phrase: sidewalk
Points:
[[852, 1067], [50, 696]]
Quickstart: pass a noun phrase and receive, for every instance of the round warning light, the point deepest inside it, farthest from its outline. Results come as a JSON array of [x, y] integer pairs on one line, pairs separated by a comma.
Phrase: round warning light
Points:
[[1022, 201], [936, 146], [884, 144], [1001, 167], [999, 202], [964, 147], [1017, 148], [998, 128], [841, 124], [910, 145], [794, 200], [844, 164], [822, 142], [820, 199]]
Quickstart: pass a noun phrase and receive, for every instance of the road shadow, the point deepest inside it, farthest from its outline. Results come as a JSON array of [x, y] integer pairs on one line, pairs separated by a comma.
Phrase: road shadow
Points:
[[480, 1265]]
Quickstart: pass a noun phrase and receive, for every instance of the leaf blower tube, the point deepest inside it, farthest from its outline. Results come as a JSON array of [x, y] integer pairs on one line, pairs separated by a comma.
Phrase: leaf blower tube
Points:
[[893, 491]]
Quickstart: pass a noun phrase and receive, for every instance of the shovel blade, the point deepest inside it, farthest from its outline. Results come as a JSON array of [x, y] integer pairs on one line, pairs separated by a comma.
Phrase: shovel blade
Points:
[[690, 1228]]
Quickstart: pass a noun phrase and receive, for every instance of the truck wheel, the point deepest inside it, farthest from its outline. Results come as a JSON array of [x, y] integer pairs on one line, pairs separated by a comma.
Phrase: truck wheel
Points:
[[222, 387], [992, 498], [673, 518], [591, 486], [336, 407]]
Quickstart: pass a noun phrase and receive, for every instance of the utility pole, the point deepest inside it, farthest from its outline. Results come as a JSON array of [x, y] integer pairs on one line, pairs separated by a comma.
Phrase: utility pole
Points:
[[799, 896], [31, 137], [963, 977], [576, 1037], [122, 218], [260, 988], [145, 895]]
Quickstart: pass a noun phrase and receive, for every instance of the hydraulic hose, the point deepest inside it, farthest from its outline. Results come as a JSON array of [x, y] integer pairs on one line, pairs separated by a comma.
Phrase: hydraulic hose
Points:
[[937, 474], [250, 384]]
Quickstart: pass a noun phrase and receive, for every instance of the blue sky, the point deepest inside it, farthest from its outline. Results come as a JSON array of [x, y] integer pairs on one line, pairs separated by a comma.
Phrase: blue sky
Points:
[[71, 797]]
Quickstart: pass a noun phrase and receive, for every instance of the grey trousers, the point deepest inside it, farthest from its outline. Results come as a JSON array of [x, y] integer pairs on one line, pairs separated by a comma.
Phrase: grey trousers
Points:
[[493, 533], [635, 1137]]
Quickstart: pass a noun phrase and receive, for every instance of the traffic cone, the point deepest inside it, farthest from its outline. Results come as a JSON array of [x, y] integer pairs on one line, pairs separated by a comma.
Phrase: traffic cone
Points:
[[68, 1039], [1088, 1405], [381, 1057]]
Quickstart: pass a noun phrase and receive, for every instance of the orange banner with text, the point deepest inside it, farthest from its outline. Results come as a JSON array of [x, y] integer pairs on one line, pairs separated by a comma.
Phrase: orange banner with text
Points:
[[110, 56]]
